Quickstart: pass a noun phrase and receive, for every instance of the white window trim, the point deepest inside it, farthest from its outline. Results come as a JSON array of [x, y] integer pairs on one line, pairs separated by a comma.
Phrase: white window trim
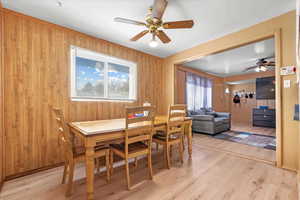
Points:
[[86, 53]]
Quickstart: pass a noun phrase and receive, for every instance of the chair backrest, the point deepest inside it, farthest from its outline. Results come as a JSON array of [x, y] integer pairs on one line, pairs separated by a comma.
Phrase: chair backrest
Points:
[[139, 124], [176, 117], [63, 133]]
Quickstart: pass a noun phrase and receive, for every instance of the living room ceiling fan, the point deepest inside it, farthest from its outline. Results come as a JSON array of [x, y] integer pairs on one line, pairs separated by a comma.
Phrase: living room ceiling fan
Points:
[[262, 65], [154, 23]]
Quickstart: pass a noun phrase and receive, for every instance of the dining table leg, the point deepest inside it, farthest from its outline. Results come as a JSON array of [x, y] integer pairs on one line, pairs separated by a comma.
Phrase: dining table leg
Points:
[[190, 138], [90, 167]]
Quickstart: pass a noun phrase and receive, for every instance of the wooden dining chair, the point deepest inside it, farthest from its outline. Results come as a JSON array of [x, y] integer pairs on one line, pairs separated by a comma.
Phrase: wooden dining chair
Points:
[[138, 138], [174, 134], [74, 154]]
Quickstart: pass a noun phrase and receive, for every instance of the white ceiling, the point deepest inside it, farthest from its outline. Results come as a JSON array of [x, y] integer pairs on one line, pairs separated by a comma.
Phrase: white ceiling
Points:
[[242, 82], [213, 18], [235, 61]]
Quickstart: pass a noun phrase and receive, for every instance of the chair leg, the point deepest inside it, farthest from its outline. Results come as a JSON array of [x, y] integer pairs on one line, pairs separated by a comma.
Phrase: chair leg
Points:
[[150, 166], [127, 173], [111, 162], [165, 155], [168, 156], [181, 151], [171, 152], [70, 179], [65, 173], [157, 146], [107, 163], [183, 142], [97, 162], [135, 162]]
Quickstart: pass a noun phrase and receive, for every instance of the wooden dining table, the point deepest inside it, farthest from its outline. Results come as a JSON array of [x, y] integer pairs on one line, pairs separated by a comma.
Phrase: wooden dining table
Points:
[[92, 132]]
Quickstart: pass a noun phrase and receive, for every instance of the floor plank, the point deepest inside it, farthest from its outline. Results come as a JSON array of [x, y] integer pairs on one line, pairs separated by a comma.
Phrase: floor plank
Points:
[[210, 175], [235, 148], [253, 129]]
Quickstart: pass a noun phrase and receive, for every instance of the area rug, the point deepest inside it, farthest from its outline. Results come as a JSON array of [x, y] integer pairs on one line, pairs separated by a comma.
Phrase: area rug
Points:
[[252, 139]]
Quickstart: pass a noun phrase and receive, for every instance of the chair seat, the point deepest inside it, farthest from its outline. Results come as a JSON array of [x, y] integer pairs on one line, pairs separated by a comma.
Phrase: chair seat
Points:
[[162, 136], [132, 148]]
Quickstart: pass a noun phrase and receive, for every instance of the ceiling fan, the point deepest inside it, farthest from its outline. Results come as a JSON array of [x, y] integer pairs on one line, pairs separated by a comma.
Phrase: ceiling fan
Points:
[[153, 23], [262, 65]]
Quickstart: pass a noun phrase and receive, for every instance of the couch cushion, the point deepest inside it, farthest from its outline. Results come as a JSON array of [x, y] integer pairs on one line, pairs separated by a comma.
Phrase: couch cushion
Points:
[[198, 112], [212, 114], [221, 120], [194, 113], [203, 117]]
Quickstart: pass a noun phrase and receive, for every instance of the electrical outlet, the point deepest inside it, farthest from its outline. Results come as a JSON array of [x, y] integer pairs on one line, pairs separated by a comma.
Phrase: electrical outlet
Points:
[[287, 83]]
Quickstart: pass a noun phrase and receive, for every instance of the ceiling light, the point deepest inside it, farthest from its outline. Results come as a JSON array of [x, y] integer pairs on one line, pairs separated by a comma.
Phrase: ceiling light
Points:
[[259, 47], [263, 68], [153, 43], [227, 91]]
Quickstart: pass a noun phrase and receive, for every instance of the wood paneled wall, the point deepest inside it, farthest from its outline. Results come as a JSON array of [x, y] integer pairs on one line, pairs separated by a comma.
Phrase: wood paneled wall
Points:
[[37, 78], [218, 95], [180, 86], [242, 113], [1, 100], [286, 23]]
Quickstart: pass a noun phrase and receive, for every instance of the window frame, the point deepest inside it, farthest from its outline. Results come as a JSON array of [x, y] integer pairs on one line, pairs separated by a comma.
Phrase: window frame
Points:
[[89, 54]]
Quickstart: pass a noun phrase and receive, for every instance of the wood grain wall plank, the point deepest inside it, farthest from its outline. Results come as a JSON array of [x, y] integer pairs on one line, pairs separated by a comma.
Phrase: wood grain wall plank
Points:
[[2, 150], [242, 113]]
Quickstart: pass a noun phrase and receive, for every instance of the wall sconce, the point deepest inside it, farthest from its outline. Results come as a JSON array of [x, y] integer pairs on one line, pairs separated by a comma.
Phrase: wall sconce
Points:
[[227, 91]]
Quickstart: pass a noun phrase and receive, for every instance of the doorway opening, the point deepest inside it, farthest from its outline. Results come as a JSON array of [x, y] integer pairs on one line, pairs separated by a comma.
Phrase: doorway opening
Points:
[[233, 98]]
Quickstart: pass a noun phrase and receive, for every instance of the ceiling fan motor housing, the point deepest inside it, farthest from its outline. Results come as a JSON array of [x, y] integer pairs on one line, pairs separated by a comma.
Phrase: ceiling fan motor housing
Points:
[[152, 23]]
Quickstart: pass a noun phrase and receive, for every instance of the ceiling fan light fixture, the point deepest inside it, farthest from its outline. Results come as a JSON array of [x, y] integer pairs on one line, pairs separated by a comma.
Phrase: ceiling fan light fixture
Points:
[[263, 68], [257, 69], [154, 23], [153, 43]]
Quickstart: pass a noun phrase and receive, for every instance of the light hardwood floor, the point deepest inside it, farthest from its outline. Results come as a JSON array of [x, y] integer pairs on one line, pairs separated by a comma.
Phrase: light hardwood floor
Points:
[[252, 129], [237, 149], [210, 175]]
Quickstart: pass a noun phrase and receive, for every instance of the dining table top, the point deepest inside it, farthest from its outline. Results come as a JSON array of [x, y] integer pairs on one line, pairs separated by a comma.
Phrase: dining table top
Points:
[[89, 128]]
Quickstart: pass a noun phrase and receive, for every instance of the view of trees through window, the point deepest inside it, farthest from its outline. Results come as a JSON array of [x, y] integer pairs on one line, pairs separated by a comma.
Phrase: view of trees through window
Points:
[[118, 84], [90, 79]]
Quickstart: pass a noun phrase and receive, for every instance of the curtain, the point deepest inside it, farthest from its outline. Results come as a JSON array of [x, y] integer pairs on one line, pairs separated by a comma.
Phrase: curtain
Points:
[[198, 92]]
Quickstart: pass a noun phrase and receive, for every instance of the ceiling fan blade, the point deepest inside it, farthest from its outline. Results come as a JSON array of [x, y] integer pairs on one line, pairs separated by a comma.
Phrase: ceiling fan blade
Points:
[[159, 8], [250, 68], [270, 64], [163, 36], [140, 35], [179, 24], [129, 21]]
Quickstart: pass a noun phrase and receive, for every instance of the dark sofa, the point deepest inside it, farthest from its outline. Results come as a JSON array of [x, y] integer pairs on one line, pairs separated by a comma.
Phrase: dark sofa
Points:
[[209, 122]]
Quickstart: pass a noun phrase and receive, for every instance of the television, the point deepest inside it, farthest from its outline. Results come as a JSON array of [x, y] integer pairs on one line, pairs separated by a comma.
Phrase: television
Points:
[[265, 88]]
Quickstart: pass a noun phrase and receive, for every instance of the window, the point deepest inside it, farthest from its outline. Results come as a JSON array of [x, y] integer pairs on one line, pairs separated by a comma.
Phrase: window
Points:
[[95, 76], [198, 92]]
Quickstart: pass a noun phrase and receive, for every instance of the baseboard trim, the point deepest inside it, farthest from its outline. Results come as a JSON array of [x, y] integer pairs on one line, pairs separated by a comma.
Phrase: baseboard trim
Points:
[[11, 177]]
